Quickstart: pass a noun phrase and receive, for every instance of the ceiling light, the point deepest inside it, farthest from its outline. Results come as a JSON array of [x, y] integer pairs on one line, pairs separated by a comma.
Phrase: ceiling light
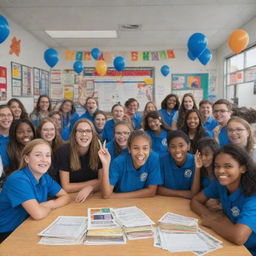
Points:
[[82, 33]]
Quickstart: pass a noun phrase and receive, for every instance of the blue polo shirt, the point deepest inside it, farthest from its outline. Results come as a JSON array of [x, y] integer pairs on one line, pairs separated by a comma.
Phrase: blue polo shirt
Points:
[[136, 119], [167, 117], [238, 208], [71, 121], [210, 124], [4, 140], [65, 133], [175, 177], [108, 131], [159, 142], [87, 116], [223, 137], [125, 178], [20, 187], [111, 146]]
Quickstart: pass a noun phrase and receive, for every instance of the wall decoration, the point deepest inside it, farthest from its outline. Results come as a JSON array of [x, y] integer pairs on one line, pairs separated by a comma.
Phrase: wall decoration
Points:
[[15, 47], [3, 83]]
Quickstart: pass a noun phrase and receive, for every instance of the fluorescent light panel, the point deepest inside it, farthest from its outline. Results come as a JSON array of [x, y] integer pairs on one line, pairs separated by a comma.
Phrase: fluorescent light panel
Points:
[[82, 33]]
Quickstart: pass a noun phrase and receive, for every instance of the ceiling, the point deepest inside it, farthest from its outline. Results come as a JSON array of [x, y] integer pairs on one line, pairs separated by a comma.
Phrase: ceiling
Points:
[[164, 23]]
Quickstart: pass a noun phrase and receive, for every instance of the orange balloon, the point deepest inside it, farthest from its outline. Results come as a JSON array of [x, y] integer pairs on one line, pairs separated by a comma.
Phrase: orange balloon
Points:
[[238, 40], [101, 67]]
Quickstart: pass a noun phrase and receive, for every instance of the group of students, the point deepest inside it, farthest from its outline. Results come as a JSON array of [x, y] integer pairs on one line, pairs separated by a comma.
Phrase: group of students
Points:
[[179, 150]]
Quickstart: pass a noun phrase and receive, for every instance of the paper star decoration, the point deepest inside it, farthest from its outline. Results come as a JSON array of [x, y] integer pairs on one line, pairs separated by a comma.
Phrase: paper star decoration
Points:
[[15, 46]]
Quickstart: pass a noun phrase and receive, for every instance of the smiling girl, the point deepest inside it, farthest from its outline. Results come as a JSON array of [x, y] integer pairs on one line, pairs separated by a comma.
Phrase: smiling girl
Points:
[[91, 106]]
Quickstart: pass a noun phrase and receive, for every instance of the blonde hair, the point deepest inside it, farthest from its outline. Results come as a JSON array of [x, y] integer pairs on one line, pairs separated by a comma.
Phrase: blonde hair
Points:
[[28, 148], [93, 148]]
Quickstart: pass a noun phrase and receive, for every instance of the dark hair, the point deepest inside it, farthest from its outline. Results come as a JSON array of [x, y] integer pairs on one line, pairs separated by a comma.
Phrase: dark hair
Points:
[[154, 115], [248, 179], [225, 102], [183, 111], [115, 105], [73, 109], [177, 134], [24, 114], [164, 102], [248, 114], [202, 102], [57, 113], [138, 133], [129, 101], [98, 112], [37, 108]]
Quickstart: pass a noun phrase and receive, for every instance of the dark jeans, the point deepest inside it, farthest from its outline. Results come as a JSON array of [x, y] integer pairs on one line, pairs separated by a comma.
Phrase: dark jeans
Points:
[[3, 236]]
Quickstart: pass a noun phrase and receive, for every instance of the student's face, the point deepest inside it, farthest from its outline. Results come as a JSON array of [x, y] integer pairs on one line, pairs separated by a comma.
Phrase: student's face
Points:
[[44, 104], [39, 160], [133, 107], [193, 120], [238, 134], [48, 132], [91, 105], [118, 113], [154, 124], [205, 110], [99, 121], [228, 171], [122, 133], [84, 135], [140, 149], [16, 110], [221, 113], [207, 157], [188, 103], [24, 134], [171, 102], [57, 120], [150, 107], [6, 118], [178, 149], [67, 107]]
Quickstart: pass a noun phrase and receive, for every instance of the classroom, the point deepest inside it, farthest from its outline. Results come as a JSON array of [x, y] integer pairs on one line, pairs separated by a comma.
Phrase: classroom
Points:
[[161, 115]]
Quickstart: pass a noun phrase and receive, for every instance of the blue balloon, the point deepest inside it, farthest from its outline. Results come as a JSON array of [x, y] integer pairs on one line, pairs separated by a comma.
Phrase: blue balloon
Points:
[[165, 70], [78, 67], [51, 57], [119, 63], [95, 52], [4, 29], [190, 56], [205, 56], [197, 44]]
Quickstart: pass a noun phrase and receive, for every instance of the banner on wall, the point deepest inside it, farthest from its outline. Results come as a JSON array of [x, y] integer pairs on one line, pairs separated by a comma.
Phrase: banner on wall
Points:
[[3, 83], [129, 55]]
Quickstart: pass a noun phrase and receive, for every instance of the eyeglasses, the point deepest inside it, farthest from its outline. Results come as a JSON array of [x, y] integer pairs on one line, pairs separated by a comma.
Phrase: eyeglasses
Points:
[[48, 130], [222, 111], [82, 132], [4, 115], [122, 133], [237, 130]]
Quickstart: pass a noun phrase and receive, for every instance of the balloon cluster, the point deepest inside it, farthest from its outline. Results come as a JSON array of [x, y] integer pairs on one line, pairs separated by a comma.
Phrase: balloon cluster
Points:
[[4, 29], [197, 48]]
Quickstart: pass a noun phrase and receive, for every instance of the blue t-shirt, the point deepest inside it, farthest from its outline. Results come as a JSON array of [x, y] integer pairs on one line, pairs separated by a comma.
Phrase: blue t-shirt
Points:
[[175, 177], [136, 119], [210, 124], [87, 116], [65, 133], [167, 117], [206, 181], [238, 207], [159, 142], [20, 187], [111, 146], [125, 178], [223, 137], [108, 131], [69, 122], [4, 140]]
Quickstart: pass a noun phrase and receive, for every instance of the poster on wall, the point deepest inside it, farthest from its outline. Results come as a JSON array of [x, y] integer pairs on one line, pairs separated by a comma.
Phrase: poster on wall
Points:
[[36, 76], [16, 79], [26, 81], [57, 90], [3, 83], [44, 82]]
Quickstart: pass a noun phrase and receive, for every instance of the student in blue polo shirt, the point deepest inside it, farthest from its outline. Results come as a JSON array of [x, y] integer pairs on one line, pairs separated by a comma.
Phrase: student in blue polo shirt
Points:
[[100, 118], [91, 106], [133, 174], [236, 189], [25, 193], [178, 168], [132, 106], [118, 145], [157, 130], [169, 106]]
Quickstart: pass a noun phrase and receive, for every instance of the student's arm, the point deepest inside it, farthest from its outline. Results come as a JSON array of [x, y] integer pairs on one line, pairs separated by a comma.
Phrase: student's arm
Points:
[[163, 191], [236, 233], [195, 188], [40, 210], [174, 126]]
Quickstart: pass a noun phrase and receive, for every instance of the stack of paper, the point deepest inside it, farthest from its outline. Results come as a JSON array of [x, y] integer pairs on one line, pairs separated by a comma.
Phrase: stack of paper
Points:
[[65, 230], [136, 224], [102, 228], [199, 242]]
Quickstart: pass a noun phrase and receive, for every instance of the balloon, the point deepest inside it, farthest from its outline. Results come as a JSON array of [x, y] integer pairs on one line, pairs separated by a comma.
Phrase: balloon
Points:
[[148, 80], [238, 40], [119, 63], [4, 29], [95, 52], [78, 67], [197, 43], [190, 56], [165, 70], [101, 67], [51, 57], [205, 56]]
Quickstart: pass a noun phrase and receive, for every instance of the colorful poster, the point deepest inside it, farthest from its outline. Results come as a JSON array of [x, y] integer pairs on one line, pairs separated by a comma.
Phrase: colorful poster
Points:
[[36, 72], [3, 83], [26, 81]]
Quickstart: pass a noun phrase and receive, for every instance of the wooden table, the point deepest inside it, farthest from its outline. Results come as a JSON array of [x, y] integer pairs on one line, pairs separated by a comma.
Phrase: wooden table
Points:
[[24, 240]]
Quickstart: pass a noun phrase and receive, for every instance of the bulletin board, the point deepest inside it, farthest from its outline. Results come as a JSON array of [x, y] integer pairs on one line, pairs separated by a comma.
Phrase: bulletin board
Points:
[[114, 87], [194, 83]]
